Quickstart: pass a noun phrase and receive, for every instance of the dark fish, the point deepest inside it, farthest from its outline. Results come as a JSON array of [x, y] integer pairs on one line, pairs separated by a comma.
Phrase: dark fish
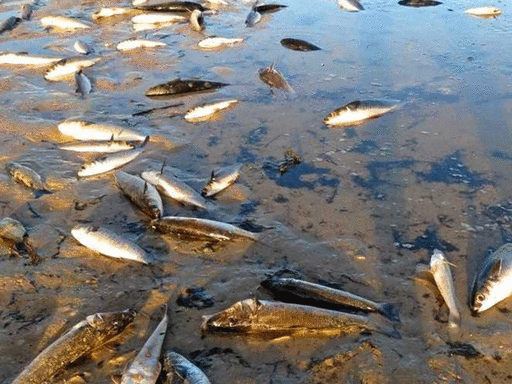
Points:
[[83, 338], [268, 8], [173, 6], [335, 298], [26, 11], [419, 3], [299, 45], [180, 87], [177, 369], [252, 18], [9, 24], [274, 78]]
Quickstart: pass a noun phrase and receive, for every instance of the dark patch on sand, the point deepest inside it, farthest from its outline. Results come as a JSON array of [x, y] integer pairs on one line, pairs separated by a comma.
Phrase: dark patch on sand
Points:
[[429, 241]]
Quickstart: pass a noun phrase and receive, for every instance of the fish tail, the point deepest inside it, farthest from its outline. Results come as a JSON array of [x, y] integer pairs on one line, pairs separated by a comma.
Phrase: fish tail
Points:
[[40, 192], [390, 311], [454, 320]]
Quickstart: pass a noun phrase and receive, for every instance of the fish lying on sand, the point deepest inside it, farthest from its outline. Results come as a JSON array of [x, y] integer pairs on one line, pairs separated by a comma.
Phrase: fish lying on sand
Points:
[[27, 177], [268, 8], [62, 22], [170, 186], [484, 11], [221, 179], [350, 5], [440, 269], [201, 229], [145, 368], [206, 111], [196, 20], [86, 130], [83, 84], [299, 45], [82, 47], [100, 146], [215, 42], [9, 24], [111, 12], [273, 78], [156, 18], [26, 11], [81, 339], [129, 45], [111, 161], [141, 193], [493, 283], [253, 18], [180, 87], [358, 111], [108, 243], [172, 6], [13, 233], [253, 316], [334, 298], [176, 368], [24, 58], [66, 68], [419, 3]]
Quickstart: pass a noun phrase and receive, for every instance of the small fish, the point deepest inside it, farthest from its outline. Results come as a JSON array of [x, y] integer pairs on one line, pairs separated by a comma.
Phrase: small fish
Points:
[[86, 130], [253, 18], [173, 6], [83, 84], [493, 284], [25, 59], [180, 87], [111, 12], [299, 45], [218, 42], [197, 20], [206, 111], [334, 298], [268, 8], [82, 47], [201, 229], [111, 161], [108, 243], [156, 18], [145, 368], [26, 176], [62, 22], [100, 146], [440, 269], [66, 68], [419, 3], [9, 24], [274, 78], [358, 111], [129, 45], [141, 193], [81, 339], [220, 180], [26, 11], [254, 316], [170, 186], [484, 11], [350, 5], [176, 368]]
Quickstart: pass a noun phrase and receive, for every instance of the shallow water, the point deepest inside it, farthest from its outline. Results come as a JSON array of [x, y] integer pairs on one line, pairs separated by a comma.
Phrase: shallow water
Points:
[[366, 205]]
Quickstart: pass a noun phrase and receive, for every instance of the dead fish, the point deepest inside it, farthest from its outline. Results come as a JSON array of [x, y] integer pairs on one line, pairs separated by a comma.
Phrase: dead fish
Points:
[[108, 243], [145, 368], [176, 368], [141, 193], [26, 11], [173, 6], [218, 42], [440, 269], [220, 180], [81, 339], [62, 22], [253, 18], [111, 12], [129, 45], [201, 229], [66, 68], [86, 130], [326, 295], [484, 12], [206, 111], [9, 24], [253, 316], [274, 78], [23, 58], [149, 26], [27, 177], [299, 45], [197, 20], [180, 87], [100, 146], [493, 283], [350, 5], [268, 8], [358, 111], [170, 186], [82, 47], [13, 233], [419, 3], [157, 18], [111, 161], [83, 84]]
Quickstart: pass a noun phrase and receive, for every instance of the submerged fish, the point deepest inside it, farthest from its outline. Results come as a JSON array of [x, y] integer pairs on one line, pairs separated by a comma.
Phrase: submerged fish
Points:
[[493, 283], [201, 229], [220, 180], [484, 11], [358, 111], [9, 24], [145, 368], [24, 58], [26, 176], [254, 316], [62, 22], [419, 3], [129, 45], [83, 338], [156, 18], [26, 11], [100, 146], [206, 111], [176, 368], [83, 84], [141, 193], [197, 20], [170, 186], [82, 47], [440, 269], [253, 18], [180, 87], [268, 8], [173, 6], [350, 5], [218, 42], [68, 67], [274, 78], [326, 295], [108, 243], [86, 130], [299, 45]]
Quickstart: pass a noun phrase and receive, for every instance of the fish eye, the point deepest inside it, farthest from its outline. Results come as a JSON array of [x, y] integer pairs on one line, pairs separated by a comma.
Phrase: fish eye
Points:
[[479, 298]]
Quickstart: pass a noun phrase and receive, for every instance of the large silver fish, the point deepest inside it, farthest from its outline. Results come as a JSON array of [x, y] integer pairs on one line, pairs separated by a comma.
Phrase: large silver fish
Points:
[[83, 338], [494, 281], [100, 146], [180, 87], [221, 179], [214, 42], [62, 22], [129, 45], [86, 130], [141, 193], [440, 269], [23, 58], [177, 369], [206, 111], [66, 68], [358, 111]]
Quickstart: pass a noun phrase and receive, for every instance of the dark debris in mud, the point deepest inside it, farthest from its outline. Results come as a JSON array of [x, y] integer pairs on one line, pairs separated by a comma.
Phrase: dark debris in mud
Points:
[[428, 241], [365, 147], [500, 213], [256, 135], [463, 349], [203, 358], [194, 298], [245, 156]]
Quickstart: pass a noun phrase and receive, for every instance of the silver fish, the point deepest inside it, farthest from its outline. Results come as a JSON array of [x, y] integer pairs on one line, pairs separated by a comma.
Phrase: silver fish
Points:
[[220, 180], [111, 12], [81, 339], [23, 58], [129, 45], [26, 176], [175, 366], [350, 5], [86, 130], [484, 12], [141, 193], [325, 295], [254, 316], [108, 243], [201, 229], [359, 111], [100, 146], [145, 368], [26, 11], [170, 186], [66, 68], [83, 84], [218, 42], [440, 269], [206, 111], [111, 161], [253, 18], [82, 47], [197, 20], [62, 22], [158, 18], [493, 283]]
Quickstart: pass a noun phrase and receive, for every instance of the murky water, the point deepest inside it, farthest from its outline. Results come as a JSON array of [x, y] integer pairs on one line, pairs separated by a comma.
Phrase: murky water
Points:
[[365, 206]]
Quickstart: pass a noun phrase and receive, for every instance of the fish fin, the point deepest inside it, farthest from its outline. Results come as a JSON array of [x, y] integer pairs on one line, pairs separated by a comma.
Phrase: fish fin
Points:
[[163, 166], [145, 188], [146, 140], [111, 138], [40, 192], [212, 177], [390, 311], [495, 271]]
